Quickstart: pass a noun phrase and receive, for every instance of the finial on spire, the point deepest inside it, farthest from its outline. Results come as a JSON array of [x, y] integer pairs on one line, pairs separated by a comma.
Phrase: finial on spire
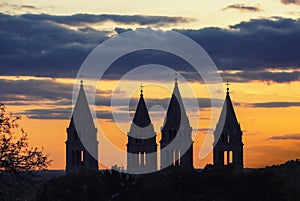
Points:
[[81, 80], [176, 78], [141, 89], [227, 88]]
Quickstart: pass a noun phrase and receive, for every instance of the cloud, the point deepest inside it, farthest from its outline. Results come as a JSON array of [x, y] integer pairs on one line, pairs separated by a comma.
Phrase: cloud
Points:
[[82, 19], [64, 113], [261, 75], [243, 7], [54, 113], [38, 45], [18, 7], [291, 2], [286, 137], [252, 45], [274, 104], [28, 92]]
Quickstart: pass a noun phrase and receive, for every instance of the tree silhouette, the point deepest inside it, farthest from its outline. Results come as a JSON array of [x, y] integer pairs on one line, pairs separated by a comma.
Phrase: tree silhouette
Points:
[[15, 153]]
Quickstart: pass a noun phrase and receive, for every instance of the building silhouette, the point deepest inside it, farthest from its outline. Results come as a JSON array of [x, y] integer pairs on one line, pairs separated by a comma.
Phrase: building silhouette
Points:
[[176, 143], [228, 145], [81, 144], [141, 146]]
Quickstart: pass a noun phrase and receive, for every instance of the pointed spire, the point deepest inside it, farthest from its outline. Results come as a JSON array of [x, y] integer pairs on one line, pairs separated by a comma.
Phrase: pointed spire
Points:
[[141, 117], [176, 114], [228, 113], [81, 111]]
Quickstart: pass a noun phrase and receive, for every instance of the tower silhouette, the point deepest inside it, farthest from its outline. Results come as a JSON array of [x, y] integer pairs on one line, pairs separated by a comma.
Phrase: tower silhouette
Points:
[[81, 131], [176, 124], [228, 145], [141, 141]]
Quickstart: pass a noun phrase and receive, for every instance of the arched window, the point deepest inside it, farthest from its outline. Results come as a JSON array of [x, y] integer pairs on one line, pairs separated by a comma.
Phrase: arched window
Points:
[[174, 157], [139, 158], [227, 138], [178, 161], [225, 158], [230, 157], [81, 157]]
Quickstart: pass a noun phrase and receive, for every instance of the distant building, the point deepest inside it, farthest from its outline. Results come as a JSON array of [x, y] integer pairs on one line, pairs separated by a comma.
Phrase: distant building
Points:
[[177, 152], [176, 144], [141, 141], [228, 145], [81, 131]]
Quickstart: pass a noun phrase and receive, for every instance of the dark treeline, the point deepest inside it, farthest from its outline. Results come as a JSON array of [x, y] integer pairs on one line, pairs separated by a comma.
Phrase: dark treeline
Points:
[[272, 183]]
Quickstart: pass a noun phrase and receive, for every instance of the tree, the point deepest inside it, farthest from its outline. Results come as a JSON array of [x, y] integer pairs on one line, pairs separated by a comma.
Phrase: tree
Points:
[[15, 153]]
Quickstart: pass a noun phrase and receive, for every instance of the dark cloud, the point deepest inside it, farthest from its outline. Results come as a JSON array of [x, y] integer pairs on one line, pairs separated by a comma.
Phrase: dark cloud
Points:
[[37, 45], [291, 2], [82, 19], [18, 7], [253, 45], [34, 90], [64, 113], [26, 92], [54, 113], [275, 104], [286, 137], [120, 30], [246, 76], [243, 7]]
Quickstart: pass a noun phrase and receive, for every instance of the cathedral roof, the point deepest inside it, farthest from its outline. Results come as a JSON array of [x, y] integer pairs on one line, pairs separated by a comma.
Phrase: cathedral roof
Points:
[[81, 112], [176, 114], [141, 117]]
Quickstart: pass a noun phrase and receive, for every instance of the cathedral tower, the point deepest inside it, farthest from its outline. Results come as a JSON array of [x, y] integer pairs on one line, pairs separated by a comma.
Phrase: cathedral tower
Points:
[[180, 151], [81, 131], [141, 141], [228, 145]]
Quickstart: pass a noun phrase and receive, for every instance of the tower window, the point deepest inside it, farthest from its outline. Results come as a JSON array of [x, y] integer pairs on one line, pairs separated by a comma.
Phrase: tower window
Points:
[[82, 157], [230, 157], [225, 158], [139, 159], [178, 160], [227, 138]]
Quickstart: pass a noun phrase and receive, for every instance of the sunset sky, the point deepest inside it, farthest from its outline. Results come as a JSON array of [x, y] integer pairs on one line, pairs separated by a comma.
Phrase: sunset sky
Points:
[[254, 44]]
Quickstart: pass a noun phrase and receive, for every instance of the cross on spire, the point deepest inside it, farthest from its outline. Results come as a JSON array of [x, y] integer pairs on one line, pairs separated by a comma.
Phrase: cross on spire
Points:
[[176, 77], [81, 80], [227, 88], [142, 89]]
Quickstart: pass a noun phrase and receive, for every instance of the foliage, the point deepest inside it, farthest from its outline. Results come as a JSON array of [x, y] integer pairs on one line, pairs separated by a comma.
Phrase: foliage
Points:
[[256, 185], [15, 153]]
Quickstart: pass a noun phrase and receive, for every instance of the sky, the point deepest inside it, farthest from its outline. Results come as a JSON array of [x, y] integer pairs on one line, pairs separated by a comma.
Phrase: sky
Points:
[[254, 44]]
